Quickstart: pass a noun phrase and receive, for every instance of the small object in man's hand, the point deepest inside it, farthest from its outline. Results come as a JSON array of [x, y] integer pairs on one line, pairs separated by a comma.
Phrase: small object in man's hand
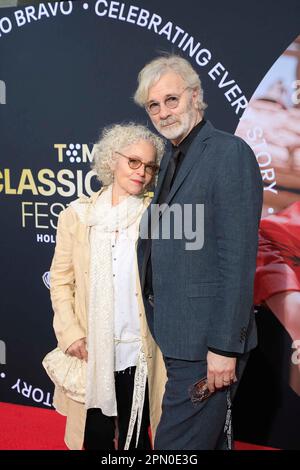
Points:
[[199, 391]]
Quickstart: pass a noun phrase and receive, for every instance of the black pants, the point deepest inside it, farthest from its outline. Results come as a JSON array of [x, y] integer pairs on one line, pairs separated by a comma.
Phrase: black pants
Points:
[[100, 429]]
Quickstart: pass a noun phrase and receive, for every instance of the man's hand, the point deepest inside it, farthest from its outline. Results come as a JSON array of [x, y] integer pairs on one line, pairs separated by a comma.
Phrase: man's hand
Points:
[[78, 349], [220, 371]]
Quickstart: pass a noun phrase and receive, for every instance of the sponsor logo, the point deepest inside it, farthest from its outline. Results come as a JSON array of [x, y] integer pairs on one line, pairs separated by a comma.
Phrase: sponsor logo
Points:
[[46, 279]]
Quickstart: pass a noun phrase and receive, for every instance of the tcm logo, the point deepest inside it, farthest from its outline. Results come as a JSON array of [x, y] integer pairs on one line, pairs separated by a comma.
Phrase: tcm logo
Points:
[[46, 279], [2, 92], [74, 153]]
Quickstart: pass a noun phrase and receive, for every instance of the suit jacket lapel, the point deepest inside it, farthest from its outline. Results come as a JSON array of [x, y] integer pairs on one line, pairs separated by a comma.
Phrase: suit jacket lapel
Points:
[[162, 175], [144, 244], [161, 178], [194, 156]]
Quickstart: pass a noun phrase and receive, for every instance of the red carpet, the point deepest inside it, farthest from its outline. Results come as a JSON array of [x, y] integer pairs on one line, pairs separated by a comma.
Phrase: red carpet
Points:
[[30, 428]]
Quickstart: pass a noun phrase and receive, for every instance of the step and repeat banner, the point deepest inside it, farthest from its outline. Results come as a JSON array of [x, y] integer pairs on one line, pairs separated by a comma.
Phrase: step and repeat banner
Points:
[[69, 68]]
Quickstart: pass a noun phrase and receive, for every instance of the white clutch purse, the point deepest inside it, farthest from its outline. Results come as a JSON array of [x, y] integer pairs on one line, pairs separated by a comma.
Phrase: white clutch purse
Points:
[[67, 372]]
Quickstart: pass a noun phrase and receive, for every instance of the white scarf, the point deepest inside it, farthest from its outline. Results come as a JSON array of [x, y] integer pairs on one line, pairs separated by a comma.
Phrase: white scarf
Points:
[[105, 219]]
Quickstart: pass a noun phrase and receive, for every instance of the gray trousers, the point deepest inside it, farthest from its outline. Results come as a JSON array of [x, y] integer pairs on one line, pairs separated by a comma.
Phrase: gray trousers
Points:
[[185, 426]]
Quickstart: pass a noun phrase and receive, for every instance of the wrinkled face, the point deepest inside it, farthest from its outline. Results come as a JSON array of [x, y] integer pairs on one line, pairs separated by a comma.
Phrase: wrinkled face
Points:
[[129, 181], [173, 123]]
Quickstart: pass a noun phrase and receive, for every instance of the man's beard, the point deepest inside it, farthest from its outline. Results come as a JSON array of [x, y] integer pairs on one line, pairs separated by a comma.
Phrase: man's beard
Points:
[[178, 129]]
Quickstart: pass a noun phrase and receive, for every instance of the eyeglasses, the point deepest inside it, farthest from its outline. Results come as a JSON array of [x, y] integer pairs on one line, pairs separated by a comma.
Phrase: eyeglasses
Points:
[[171, 101], [135, 163]]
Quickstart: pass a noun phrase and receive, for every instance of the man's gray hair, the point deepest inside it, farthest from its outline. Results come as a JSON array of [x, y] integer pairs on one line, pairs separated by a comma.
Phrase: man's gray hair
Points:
[[115, 138], [158, 67]]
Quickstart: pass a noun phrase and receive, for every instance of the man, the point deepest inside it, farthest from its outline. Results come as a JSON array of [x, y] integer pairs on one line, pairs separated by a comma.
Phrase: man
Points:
[[198, 301]]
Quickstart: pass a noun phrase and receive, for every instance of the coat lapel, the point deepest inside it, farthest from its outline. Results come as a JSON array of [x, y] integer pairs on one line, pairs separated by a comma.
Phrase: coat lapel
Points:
[[194, 156], [144, 222], [162, 175]]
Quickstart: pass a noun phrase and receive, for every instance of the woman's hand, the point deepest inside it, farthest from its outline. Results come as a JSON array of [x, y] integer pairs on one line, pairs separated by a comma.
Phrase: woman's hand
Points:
[[78, 349]]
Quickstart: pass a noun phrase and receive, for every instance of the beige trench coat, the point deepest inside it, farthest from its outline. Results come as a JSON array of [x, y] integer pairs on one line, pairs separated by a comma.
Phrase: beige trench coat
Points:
[[69, 277]]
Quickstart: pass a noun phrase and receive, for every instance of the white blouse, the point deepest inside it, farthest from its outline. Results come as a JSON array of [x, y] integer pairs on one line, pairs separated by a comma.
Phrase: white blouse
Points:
[[126, 319]]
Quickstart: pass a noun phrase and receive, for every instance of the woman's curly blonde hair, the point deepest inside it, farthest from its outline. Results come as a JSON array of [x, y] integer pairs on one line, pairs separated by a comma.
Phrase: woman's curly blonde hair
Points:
[[115, 138]]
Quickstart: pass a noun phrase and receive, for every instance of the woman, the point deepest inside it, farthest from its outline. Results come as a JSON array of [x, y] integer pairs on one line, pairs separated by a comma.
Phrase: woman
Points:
[[96, 298]]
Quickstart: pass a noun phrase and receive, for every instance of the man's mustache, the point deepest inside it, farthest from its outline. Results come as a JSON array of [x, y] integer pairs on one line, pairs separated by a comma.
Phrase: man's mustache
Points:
[[167, 122]]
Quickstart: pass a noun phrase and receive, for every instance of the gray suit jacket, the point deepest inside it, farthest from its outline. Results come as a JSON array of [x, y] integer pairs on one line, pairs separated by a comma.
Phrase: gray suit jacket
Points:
[[203, 297]]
